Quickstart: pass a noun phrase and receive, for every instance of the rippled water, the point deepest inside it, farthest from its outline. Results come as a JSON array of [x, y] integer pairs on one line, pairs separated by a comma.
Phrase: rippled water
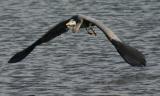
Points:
[[76, 64]]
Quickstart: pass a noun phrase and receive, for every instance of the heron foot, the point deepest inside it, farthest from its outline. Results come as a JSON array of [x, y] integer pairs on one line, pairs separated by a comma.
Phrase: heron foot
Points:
[[91, 31]]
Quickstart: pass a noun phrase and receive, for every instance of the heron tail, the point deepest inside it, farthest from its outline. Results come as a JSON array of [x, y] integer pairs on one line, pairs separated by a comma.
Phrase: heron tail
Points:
[[130, 54]]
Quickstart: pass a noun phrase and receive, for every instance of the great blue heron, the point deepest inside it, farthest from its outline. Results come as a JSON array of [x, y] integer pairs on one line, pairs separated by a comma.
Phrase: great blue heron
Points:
[[131, 55]]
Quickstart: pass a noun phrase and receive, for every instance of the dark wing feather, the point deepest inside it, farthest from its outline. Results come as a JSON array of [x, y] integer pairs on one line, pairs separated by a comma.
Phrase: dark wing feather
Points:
[[52, 33], [131, 55]]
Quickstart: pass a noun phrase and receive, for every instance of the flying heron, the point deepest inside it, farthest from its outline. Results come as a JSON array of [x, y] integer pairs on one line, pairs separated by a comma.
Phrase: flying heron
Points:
[[131, 55]]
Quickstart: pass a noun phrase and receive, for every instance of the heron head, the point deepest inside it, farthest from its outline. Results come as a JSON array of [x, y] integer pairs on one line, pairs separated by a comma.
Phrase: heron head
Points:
[[74, 23], [71, 24]]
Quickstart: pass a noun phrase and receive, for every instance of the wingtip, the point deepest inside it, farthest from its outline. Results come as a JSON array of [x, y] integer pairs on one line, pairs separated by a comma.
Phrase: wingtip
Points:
[[15, 59], [131, 55], [11, 61], [22, 54], [142, 64]]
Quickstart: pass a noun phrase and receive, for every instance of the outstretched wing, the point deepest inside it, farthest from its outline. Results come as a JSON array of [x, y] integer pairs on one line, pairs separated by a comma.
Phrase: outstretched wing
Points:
[[52, 33], [128, 53]]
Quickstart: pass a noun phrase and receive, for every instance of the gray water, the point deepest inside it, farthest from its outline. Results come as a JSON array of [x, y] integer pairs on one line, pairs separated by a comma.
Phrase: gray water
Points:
[[77, 64]]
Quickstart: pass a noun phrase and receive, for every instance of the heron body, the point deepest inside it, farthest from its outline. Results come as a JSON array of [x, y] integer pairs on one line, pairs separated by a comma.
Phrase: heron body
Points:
[[131, 55]]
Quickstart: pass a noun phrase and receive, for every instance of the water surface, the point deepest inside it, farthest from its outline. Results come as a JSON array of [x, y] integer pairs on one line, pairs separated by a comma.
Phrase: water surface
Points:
[[76, 64]]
